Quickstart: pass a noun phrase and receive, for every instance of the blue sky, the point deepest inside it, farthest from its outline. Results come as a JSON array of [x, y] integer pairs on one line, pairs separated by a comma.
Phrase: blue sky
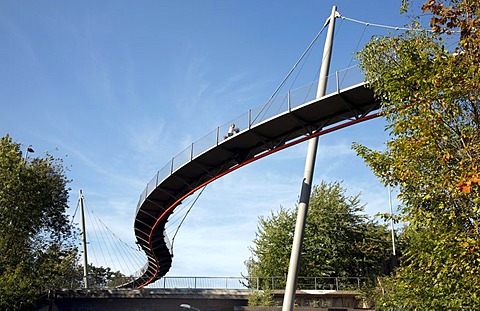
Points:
[[117, 88]]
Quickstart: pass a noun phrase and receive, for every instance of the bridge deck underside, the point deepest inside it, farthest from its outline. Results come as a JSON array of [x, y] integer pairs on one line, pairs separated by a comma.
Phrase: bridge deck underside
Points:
[[152, 214]]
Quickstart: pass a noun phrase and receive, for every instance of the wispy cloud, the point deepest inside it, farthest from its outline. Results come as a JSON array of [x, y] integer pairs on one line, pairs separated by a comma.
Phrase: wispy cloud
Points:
[[26, 51]]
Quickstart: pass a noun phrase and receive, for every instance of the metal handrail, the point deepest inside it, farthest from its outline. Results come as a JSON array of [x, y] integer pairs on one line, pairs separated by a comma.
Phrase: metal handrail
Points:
[[337, 81], [236, 283]]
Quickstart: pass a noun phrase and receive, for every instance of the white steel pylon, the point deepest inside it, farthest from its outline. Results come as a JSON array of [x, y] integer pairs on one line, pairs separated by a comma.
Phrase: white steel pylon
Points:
[[293, 268]]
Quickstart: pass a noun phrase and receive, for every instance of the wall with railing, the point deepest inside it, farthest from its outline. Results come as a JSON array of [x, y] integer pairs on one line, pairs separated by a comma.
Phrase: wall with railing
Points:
[[231, 283]]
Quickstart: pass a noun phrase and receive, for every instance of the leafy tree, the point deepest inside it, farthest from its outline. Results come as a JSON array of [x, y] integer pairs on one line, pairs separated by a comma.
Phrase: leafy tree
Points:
[[270, 253], [61, 268], [339, 240], [117, 279], [430, 98], [103, 277], [35, 234]]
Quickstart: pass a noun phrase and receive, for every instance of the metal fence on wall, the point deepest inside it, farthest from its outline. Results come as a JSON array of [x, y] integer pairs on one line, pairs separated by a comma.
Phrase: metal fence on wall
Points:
[[233, 283]]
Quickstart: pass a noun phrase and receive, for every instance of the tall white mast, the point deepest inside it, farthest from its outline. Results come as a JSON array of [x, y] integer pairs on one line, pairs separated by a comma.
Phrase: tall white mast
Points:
[[289, 297], [84, 243]]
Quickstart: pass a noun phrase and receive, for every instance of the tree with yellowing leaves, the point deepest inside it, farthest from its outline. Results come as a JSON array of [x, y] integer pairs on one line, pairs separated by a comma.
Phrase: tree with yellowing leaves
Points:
[[431, 101]]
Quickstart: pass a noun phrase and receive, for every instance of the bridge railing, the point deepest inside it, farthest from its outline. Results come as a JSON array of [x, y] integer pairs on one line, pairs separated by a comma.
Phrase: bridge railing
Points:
[[336, 82], [233, 283]]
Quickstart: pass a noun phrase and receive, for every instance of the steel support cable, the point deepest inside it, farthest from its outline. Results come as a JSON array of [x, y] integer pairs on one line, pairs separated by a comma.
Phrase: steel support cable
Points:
[[186, 214], [124, 259], [306, 53], [317, 73], [367, 24], [376, 25], [138, 253], [130, 254], [128, 259], [315, 76], [355, 50], [106, 246], [396, 28], [358, 44], [99, 237], [73, 219], [116, 249], [139, 256], [94, 234], [75, 212], [175, 218], [73, 216], [112, 248], [275, 93]]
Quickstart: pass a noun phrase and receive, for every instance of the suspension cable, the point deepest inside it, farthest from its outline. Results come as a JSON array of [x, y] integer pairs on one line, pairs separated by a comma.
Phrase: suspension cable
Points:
[[109, 243], [75, 212], [186, 214], [379, 25], [290, 72], [112, 247], [275, 93]]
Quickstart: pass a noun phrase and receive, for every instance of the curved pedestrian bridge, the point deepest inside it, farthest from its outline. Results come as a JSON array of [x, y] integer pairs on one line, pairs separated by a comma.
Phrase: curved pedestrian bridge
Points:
[[282, 122]]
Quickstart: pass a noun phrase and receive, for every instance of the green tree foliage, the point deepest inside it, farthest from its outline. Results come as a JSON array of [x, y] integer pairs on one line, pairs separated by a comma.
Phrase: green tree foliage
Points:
[[430, 98], [339, 240], [104, 277], [270, 253], [36, 243], [263, 298]]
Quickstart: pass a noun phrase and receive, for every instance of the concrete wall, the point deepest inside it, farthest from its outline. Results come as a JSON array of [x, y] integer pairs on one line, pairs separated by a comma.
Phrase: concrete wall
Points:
[[205, 300], [145, 299], [126, 304]]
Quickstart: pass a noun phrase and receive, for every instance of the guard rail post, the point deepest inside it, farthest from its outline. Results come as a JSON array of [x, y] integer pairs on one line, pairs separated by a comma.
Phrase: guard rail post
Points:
[[288, 102], [337, 81]]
